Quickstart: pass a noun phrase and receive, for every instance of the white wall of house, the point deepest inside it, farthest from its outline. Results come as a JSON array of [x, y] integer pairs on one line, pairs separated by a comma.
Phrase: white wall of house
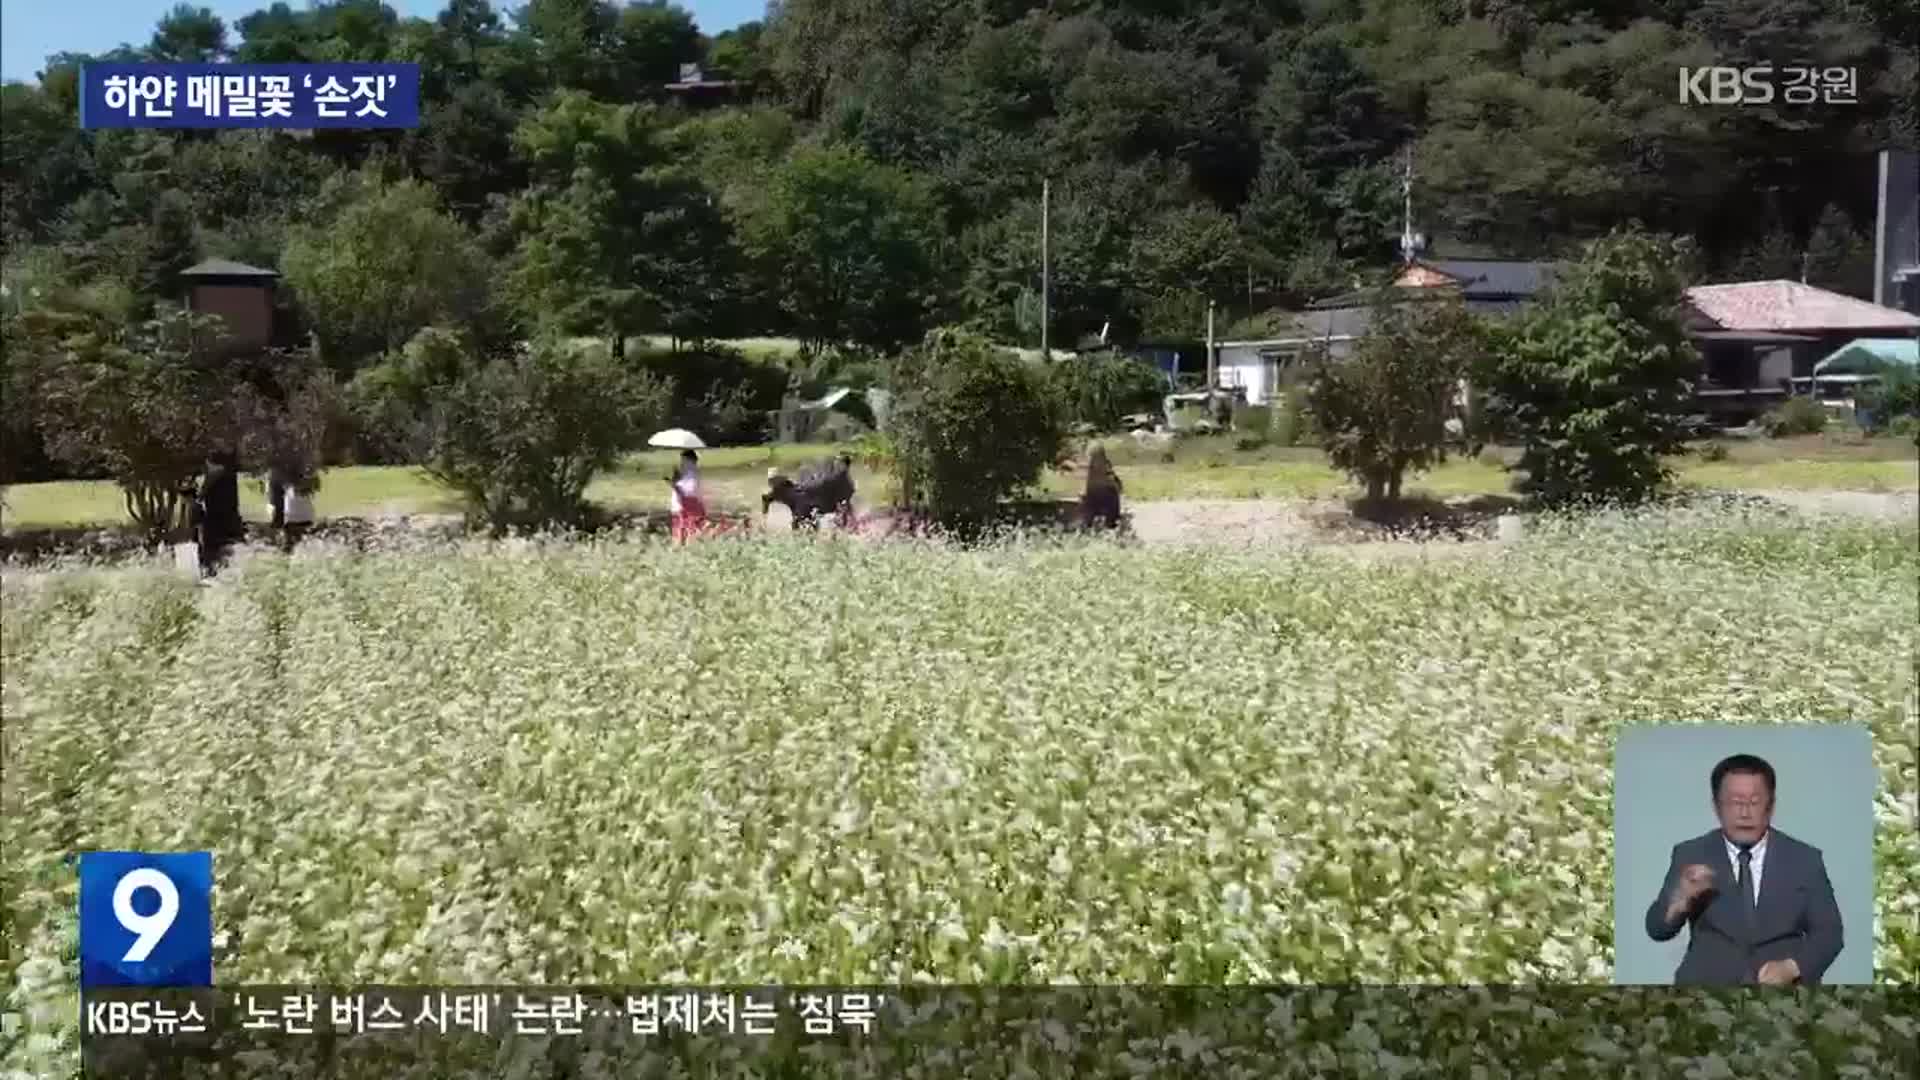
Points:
[[1246, 372], [1256, 366]]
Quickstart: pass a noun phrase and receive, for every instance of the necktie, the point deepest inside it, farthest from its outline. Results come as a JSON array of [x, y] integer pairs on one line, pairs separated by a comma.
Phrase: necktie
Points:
[[1745, 879]]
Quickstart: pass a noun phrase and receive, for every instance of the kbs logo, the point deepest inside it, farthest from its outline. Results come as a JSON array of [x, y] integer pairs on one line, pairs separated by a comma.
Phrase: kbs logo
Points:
[[1764, 85], [146, 919], [142, 1018], [1726, 86]]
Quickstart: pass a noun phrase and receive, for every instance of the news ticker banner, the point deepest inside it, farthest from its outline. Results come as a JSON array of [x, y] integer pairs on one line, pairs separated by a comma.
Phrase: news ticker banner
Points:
[[976, 1031], [303, 96]]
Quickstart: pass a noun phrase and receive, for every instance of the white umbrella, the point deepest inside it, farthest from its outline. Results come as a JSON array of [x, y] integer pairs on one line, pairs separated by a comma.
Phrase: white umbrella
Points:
[[677, 439]]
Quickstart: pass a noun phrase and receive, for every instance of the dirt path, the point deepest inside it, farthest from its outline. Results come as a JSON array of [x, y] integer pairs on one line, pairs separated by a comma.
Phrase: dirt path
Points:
[[1257, 522], [1231, 522], [1887, 506]]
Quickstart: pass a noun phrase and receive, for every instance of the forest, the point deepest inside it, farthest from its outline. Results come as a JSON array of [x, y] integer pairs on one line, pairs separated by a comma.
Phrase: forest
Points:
[[878, 171]]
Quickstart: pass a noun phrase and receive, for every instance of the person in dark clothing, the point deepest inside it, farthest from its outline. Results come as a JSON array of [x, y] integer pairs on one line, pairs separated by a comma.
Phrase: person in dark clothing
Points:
[[218, 503], [1100, 503]]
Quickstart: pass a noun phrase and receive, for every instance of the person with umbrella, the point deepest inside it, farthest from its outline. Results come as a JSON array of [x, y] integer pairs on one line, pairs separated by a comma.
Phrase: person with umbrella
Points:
[[689, 508]]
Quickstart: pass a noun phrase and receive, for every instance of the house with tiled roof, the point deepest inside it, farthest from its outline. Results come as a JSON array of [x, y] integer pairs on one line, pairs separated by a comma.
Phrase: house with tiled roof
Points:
[[1757, 337], [1486, 286]]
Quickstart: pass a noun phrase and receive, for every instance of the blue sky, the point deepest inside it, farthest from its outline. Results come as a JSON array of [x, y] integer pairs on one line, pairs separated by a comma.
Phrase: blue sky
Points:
[[32, 30]]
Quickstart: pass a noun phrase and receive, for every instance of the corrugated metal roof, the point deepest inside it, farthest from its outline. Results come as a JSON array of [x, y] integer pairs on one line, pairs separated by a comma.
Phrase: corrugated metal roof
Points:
[[1791, 305]]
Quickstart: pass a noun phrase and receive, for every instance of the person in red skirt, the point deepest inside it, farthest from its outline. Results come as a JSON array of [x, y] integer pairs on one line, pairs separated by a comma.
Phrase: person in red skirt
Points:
[[689, 510]]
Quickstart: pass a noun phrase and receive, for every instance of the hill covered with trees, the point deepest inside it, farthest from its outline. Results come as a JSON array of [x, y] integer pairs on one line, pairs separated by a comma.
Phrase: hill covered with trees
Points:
[[883, 175]]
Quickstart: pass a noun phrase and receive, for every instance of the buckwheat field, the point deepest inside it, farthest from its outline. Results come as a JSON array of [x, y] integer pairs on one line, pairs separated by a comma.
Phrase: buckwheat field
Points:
[[782, 760]]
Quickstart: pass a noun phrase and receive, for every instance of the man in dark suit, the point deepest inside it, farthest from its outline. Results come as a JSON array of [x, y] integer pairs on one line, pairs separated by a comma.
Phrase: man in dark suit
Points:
[[1757, 902]]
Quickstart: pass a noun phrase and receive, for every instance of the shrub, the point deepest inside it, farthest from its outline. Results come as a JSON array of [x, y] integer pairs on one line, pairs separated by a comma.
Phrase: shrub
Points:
[[390, 403], [1905, 427], [1101, 388], [521, 437], [1896, 395], [1292, 422], [1795, 416], [1593, 385], [971, 425]]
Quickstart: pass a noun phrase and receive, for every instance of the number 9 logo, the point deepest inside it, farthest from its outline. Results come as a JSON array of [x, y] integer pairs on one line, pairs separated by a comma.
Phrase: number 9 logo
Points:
[[147, 930], [171, 944]]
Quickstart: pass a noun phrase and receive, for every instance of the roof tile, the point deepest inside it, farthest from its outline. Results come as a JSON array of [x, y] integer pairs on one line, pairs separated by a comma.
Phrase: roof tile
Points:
[[1791, 305]]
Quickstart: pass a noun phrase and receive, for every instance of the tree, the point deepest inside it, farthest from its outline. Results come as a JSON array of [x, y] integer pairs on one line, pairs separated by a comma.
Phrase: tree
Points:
[[1839, 257], [464, 147], [573, 42], [1384, 410], [970, 425], [44, 162], [615, 240], [650, 40], [189, 35], [389, 263], [1279, 221], [1327, 112], [739, 54], [19, 390], [522, 436], [1097, 214], [1595, 385], [1181, 259], [854, 247], [137, 405]]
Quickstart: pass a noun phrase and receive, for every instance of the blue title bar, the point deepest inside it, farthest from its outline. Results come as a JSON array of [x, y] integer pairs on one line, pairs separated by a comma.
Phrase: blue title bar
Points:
[[250, 96]]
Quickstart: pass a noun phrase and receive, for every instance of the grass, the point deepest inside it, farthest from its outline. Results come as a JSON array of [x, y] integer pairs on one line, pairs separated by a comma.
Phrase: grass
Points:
[[788, 761], [782, 350], [1203, 468]]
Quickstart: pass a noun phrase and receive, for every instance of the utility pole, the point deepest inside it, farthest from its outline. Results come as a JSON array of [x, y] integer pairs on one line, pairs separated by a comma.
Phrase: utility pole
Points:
[[1212, 374], [1411, 243], [1046, 267]]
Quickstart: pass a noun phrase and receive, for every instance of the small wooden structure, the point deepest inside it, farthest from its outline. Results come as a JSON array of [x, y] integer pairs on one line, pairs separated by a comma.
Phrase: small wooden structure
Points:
[[241, 295], [695, 90]]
